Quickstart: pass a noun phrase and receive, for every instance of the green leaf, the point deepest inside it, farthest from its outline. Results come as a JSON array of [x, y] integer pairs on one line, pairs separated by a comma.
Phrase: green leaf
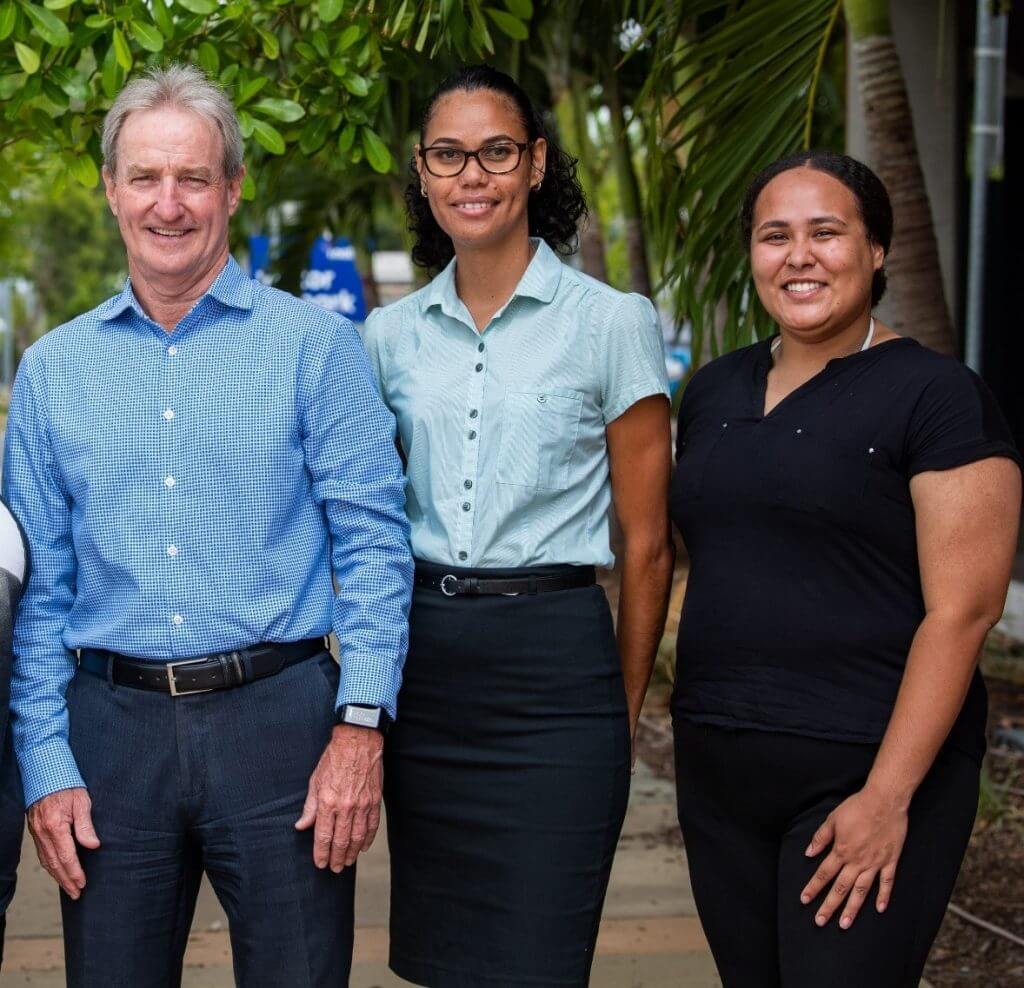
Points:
[[305, 50], [347, 38], [523, 9], [8, 18], [377, 152], [319, 40], [48, 25], [54, 93], [330, 10], [509, 25], [112, 75], [347, 138], [249, 89], [27, 57], [162, 18], [83, 169], [248, 188], [98, 20], [245, 124], [58, 4], [285, 110], [70, 82], [198, 6], [148, 36], [121, 50], [313, 135], [267, 135], [357, 85], [271, 48], [209, 59], [228, 75]]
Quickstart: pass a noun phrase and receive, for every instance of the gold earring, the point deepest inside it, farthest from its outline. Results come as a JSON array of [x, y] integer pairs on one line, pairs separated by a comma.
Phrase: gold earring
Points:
[[423, 191]]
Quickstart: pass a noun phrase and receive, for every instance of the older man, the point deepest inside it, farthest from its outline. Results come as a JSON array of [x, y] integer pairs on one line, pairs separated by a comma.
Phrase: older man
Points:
[[194, 462]]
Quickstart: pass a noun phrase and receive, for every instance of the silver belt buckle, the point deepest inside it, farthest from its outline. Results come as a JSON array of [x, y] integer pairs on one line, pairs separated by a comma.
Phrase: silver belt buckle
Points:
[[173, 684], [444, 584]]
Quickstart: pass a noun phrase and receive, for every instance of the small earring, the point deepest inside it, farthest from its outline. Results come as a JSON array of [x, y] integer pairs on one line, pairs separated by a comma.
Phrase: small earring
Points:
[[423, 191]]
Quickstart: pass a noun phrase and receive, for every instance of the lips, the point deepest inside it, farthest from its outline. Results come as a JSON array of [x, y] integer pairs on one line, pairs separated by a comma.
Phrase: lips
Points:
[[474, 207], [169, 233], [804, 287]]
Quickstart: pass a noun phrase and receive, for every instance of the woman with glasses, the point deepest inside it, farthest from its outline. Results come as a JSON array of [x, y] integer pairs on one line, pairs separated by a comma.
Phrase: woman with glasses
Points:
[[529, 399]]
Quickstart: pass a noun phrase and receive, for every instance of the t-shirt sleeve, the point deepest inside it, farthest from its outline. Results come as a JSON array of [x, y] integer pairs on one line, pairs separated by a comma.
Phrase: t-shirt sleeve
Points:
[[631, 356], [956, 421]]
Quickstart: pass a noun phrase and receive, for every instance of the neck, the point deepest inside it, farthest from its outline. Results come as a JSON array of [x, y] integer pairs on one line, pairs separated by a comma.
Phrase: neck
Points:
[[486, 277], [167, 300], [798, 350]]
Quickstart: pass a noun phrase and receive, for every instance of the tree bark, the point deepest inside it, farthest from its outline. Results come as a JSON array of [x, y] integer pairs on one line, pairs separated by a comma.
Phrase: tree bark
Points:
[[915, 294]]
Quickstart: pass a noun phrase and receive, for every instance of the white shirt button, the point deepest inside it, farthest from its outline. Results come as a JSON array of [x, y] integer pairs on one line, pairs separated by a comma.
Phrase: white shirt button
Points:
[[168, 481], [172, 551], [172, 351], [168, 414], [178, 619]]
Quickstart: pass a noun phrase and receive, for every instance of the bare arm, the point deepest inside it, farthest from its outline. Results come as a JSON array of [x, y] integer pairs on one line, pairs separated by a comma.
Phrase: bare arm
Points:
[[967, 520], [639, 449]]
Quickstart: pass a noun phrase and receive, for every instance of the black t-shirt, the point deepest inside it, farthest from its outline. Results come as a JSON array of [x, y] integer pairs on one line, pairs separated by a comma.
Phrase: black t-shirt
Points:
[[804, 591]]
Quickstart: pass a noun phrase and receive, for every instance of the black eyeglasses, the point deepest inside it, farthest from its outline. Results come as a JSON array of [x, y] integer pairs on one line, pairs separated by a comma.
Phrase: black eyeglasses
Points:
[[443, 161]]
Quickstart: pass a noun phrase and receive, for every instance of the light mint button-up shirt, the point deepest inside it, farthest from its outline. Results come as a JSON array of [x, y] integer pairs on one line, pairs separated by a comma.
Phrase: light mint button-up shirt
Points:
[[504, 430]]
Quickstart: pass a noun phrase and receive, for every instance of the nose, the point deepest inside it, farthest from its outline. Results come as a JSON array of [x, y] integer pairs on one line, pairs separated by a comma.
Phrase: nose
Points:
[[800, 253], [473, 173], [168, 201]]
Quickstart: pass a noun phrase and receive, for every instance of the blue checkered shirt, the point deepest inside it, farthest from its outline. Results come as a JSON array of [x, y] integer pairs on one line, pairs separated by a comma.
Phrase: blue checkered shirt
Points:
[[197, 491]]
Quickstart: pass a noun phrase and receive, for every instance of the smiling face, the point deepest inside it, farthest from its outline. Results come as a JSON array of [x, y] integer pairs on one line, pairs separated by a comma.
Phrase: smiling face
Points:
[[476, 208], [812, 260], [171, 197]]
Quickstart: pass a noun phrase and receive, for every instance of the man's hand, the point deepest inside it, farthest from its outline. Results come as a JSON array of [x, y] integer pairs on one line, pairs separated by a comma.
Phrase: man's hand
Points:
[[866, 832], [56, 822], [344, 797]]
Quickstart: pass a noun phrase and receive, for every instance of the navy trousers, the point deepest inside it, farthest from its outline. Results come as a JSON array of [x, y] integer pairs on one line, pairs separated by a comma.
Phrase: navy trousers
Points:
[[12, 823], [213, 783]]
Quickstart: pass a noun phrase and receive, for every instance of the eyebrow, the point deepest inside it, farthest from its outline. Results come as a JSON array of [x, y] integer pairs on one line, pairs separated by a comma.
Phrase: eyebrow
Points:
[[200, 171], [496, 139], [813, 221]]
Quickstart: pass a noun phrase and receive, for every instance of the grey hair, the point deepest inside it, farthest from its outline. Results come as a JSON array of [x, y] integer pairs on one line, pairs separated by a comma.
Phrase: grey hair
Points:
[[182, 86]]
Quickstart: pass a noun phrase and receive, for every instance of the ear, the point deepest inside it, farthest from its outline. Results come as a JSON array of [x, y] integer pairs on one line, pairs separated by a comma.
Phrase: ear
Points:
[[235, 191], [877, 256], [109, 187], [417, 160], [538, 160]]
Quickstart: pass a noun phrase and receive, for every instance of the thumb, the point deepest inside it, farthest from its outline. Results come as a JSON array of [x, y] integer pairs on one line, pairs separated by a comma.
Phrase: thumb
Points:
[[85, 832], [308, 817], [821, 839]]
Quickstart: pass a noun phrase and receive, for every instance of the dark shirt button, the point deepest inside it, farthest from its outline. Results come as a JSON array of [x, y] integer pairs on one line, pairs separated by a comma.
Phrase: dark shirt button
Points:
[[473, 413], [465, 505], [472, 434], [479, 367], [467, 484], [480, 347], [463, 555]]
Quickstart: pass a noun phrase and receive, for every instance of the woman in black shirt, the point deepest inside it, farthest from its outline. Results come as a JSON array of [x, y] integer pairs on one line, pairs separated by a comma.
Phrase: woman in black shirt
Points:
[[849, 501]]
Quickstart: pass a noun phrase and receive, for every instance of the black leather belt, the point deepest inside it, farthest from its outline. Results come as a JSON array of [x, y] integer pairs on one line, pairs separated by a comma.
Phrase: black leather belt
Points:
[[454, 584], [218, 671]]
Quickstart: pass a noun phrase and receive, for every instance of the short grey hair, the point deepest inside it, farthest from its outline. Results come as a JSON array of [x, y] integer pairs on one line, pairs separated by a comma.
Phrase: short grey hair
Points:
[[182, 86]]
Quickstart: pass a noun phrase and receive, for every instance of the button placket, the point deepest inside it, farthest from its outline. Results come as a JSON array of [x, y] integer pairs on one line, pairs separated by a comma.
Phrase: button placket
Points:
[[169, 478], [472, 426]]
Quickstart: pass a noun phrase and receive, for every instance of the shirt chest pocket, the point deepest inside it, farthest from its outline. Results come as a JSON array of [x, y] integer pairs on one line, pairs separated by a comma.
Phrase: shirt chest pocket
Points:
[[538, 436]]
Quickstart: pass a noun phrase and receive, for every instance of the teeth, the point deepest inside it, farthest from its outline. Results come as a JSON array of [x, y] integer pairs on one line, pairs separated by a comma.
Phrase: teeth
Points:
[[473, 207], [168, 233], [803, 286]]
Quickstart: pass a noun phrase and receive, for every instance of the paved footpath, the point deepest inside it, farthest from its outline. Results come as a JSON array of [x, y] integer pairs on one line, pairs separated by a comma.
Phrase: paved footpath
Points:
[[650, 936]]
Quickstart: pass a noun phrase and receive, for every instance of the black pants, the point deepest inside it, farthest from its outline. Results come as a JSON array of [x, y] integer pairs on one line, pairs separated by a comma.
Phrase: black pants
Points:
[[749, 802], [12, 823], [211, 782]]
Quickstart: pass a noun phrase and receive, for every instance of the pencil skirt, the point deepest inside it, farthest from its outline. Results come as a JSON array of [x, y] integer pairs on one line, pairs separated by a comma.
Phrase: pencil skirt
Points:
[[506, 781]]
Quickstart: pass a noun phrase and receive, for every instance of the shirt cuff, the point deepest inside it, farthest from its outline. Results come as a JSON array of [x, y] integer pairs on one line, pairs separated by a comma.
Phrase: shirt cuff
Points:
[[367, 679], [48, 769]]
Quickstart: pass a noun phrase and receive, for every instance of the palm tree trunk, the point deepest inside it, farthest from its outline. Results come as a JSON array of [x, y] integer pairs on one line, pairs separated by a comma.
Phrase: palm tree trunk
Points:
[[916, 296], [591, 233], [629, 187]]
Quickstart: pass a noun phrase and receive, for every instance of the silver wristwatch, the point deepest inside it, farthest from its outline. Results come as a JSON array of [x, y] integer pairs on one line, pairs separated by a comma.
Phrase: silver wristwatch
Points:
[[361, 715]]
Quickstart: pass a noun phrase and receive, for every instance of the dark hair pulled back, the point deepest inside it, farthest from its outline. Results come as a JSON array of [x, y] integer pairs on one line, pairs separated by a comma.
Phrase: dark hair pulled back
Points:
[[554, 210], [872, 198]]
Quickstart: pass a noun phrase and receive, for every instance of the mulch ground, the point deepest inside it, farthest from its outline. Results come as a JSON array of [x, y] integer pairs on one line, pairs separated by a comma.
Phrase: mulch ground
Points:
[[991, 883]]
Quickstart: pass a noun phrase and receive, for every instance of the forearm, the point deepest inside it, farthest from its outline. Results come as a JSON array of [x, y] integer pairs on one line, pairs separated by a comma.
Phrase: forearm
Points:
[[938, 672], [643, 602]]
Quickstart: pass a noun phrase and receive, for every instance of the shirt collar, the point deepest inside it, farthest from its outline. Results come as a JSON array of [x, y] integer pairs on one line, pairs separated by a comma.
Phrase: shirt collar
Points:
[[232, 287], [540, 280]]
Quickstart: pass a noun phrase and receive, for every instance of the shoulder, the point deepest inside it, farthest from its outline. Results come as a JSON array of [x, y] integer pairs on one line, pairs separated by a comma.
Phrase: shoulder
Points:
[[725, 367], [386, 322], [601, 304], [317, 329], [69, 337]]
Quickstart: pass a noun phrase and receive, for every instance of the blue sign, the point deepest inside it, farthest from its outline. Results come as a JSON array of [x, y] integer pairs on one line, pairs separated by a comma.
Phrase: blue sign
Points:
[[331, 280]]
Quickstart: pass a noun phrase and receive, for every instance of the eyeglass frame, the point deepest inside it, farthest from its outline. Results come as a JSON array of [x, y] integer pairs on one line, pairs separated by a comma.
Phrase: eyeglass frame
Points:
[[466, 155]]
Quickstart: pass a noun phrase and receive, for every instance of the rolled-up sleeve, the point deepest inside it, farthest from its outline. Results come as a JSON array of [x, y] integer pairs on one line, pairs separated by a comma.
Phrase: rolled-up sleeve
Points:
[[349, 443], [43, 666]]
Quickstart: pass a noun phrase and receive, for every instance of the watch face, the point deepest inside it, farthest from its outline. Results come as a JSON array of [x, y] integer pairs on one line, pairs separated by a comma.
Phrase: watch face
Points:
[[362, 716]]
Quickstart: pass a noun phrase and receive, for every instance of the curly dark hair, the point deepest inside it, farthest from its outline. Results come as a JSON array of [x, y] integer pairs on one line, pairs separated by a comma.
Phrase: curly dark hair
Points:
[[555, 209], [868, 189]]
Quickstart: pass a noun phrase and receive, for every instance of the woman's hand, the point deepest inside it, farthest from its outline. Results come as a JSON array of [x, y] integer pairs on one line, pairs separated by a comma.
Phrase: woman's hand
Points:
[[866, 832]]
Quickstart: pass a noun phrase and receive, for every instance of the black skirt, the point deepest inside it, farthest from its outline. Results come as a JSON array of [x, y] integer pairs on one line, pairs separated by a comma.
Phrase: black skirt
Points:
[[506, 781]]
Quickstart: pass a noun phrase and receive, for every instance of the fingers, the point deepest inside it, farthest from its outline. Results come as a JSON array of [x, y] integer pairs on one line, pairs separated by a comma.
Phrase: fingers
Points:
[[52, 859], [323, 835], [823, 836], [344, 825], [50, 821], [858, 894], [85, 833], [372, 826], [837, 895], [305, 821], [826, 871], [885, 883]]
